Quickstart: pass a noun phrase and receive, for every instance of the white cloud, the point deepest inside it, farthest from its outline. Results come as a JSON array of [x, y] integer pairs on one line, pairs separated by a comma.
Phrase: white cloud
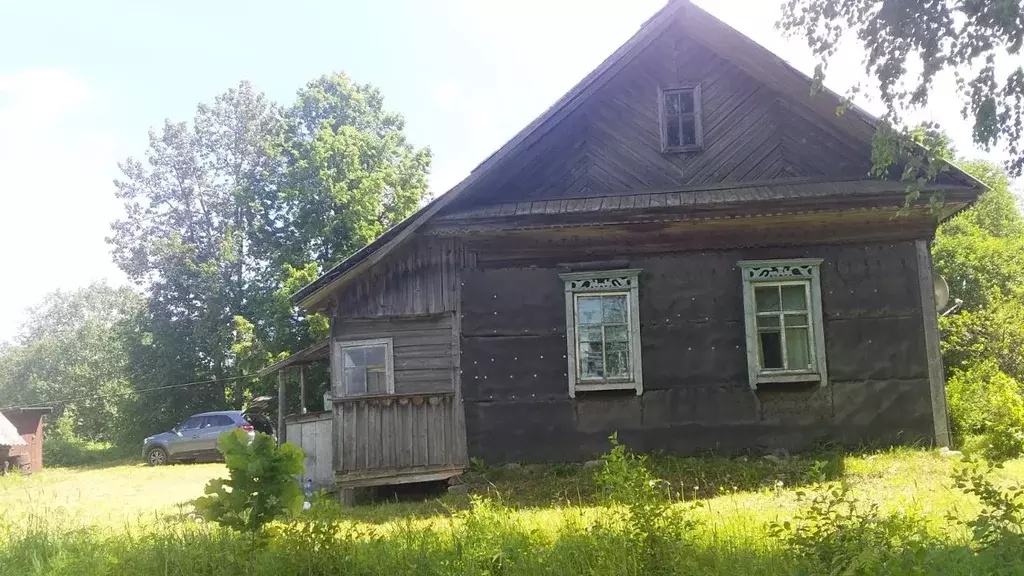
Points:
[[56, 199]]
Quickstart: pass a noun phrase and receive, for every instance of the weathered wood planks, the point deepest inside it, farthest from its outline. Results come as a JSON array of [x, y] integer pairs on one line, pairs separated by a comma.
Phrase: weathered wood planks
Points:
[[383, 433]]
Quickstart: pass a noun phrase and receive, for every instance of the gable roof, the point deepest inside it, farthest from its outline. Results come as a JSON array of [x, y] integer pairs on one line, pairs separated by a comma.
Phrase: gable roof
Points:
[[9, 436], [746, 54]]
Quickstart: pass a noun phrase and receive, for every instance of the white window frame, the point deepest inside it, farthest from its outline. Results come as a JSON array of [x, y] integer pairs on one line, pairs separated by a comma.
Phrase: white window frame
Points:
[[603, 283], [339, 389], [800, 271]]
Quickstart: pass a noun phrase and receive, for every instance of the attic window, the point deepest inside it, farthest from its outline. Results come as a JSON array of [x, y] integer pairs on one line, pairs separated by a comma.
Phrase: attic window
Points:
[[681, 129]]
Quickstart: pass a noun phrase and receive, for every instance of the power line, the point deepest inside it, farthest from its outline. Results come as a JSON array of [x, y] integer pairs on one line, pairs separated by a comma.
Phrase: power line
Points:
[[155, 388]]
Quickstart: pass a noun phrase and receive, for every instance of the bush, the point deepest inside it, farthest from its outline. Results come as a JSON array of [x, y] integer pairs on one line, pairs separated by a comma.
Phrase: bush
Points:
[[835, 533], [1000, 524], [262, 485], [985, 402], [652, 522]]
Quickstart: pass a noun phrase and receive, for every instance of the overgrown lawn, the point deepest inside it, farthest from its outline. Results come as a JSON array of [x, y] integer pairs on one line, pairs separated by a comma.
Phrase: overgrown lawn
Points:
[[533, 519]]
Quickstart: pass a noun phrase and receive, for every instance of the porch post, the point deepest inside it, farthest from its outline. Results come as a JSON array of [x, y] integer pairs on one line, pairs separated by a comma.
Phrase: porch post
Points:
[[302, 389], [281, 433]]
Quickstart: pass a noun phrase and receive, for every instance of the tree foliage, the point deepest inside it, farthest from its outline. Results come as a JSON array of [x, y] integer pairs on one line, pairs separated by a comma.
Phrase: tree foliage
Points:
[[229, 214], [72, 353], [980, 254], [908, 44], [262, 482]]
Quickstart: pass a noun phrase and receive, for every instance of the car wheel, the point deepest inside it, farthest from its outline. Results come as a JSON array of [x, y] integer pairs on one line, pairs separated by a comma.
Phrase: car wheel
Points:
[[156, 457]]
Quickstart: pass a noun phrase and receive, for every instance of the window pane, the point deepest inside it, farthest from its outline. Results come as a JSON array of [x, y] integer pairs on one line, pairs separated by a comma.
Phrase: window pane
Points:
[[354, 357], [793, 298], [614, 308], [590, 334], [375, 356], [798, 350], [672, 103], [377, 381], [674, 138], [688, 133], [588, 309], [616, 334], [767, 298], [591, 365], [190, 424], [686, 102], [617, 360], [355, 381], [796, 320], [768, 321], [771, 350]]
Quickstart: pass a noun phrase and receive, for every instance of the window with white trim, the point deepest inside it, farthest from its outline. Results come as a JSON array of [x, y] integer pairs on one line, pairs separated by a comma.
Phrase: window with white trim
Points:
[[783, 320], [603, 331], [365, 368]]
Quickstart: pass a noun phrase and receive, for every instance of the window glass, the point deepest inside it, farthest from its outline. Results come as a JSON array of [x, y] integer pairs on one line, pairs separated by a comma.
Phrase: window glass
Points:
[[217, 421], [603, 336], [783, 325], [364, 369], [680, 120], [192, 423], [672, 105]]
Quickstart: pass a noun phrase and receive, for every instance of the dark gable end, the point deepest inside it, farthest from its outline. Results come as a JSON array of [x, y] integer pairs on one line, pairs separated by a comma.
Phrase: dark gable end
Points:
[[612, 143], [604, 138]]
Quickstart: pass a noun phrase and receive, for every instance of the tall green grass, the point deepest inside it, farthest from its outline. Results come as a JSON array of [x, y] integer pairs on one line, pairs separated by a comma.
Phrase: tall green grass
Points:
[[911, 523]]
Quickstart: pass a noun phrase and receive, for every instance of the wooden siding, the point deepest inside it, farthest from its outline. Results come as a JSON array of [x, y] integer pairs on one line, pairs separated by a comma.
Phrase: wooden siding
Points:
[[421, 278], [398, 434], [423, 360], [611, 144], [314, 433]]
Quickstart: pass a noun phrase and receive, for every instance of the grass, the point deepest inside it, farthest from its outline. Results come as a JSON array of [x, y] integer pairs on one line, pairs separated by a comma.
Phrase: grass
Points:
[[535, 519]]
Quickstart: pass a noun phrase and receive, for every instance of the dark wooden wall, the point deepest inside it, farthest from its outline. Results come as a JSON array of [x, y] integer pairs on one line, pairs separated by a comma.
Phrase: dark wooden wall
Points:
[[420, 278], [612, 143], [696, 396]]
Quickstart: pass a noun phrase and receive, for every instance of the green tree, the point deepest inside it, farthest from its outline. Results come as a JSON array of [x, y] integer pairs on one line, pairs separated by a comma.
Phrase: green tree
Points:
[[194, 213], [232, 213], [909, 44], [979, 252], [350, 172], [71, 354]]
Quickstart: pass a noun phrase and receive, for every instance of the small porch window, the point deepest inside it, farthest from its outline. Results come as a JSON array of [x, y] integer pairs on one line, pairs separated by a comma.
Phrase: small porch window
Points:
[[366, 368], [680, 113], [785, 334], [603, 331]]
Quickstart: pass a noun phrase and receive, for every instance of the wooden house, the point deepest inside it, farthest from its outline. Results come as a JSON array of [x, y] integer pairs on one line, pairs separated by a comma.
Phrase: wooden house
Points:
[[686, 249]]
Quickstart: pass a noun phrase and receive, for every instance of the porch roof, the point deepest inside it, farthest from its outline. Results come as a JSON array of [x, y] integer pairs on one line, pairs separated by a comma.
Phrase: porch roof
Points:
[[314, 353]]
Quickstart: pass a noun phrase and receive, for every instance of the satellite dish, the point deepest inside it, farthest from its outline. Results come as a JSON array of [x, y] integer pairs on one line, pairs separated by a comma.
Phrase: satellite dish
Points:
[[941, 292]]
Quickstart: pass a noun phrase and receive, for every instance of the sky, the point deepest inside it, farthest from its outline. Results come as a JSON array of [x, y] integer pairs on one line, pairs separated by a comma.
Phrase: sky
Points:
[[81, 84]]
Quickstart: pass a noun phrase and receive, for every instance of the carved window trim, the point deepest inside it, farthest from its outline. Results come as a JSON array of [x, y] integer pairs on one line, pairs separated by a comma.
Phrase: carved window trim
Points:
[[603, 282], [800, 271]]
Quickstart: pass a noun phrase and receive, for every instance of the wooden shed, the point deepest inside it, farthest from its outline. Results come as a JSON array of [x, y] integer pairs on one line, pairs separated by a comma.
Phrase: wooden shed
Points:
[[27, 423], [686, 249]]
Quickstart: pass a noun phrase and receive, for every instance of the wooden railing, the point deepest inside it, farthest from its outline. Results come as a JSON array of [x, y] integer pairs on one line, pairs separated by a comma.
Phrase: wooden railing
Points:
[[397, 438]]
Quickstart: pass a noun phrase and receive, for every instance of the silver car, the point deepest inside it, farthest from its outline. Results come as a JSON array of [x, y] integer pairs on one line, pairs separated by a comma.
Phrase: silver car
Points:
[[194, 439]]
